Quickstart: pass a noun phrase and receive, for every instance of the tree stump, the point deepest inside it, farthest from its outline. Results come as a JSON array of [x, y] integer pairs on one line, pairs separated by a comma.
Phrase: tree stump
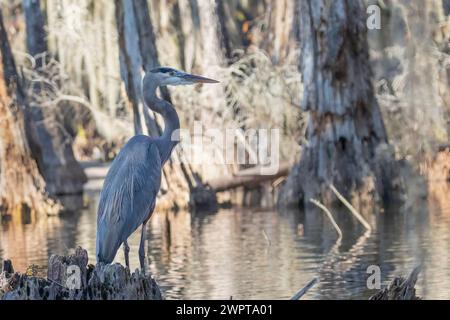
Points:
[[71, 278], [400, 288]]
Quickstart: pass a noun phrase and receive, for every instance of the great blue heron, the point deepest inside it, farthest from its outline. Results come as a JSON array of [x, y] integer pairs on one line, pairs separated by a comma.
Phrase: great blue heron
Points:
[[129, 192]]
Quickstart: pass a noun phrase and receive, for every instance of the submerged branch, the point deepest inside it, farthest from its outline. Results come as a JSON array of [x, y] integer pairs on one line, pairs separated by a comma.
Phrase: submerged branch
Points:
[[305, 289], [351, 208], [330, 216]]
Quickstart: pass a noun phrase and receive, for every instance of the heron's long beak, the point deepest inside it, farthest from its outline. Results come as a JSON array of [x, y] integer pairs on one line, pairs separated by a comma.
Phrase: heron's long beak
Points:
[[198, 79]]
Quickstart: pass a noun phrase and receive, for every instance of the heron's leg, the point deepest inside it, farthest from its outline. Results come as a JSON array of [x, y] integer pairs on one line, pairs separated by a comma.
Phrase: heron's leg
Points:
[[142, 248], [126, 251]]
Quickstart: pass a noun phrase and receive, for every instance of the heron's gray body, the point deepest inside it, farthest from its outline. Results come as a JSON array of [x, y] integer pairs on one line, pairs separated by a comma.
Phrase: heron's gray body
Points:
[[129, 194]]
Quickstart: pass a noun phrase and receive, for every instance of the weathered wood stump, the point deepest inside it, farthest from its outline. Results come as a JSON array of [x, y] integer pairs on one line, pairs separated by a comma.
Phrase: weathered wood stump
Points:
[[400, 288], [71, 278]]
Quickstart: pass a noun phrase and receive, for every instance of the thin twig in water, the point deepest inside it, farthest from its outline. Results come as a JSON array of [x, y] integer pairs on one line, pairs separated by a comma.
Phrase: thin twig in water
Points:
[[269, 243], [305, 289], [330, 216], [351, 208]]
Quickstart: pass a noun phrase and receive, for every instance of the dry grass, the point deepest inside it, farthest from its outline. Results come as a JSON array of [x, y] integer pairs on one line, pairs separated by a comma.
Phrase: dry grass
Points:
[[258, 95]]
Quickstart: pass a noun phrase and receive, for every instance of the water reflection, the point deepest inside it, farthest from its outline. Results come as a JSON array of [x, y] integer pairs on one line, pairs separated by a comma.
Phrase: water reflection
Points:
[[259, 254]]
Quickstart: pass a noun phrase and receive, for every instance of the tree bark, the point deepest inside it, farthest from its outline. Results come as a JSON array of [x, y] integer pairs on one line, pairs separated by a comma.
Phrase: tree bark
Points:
[[214, 50], [226, 23], [36, 35], [132, 23], [347, 142], [22, 189], [280, 38]]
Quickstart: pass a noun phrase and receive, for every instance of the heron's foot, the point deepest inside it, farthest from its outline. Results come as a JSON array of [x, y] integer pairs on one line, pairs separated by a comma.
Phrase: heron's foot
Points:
[[126, 251]]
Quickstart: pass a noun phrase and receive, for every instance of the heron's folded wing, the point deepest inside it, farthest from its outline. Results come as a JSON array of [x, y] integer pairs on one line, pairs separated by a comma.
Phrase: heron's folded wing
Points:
[[130, 189]]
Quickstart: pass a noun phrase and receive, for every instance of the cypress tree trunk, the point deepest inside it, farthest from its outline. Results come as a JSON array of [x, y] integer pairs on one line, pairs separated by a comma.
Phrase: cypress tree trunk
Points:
[[348, 145], [280, 40], [213, 43], [22, 189]]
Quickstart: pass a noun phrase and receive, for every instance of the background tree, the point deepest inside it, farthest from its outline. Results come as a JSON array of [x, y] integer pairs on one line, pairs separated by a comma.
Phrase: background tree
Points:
[[411, 73], [347, 142], [246, 44], [138, 54], [90, 85], [50, 142], [36, 35], [278, 35], [22, 189]]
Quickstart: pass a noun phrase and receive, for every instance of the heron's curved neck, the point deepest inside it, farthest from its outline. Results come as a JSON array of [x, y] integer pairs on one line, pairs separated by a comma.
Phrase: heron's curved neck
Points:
[[170, 137]]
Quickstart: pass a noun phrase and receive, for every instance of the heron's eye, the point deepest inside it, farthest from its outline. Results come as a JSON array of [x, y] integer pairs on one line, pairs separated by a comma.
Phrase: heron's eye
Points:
[[172, 73]]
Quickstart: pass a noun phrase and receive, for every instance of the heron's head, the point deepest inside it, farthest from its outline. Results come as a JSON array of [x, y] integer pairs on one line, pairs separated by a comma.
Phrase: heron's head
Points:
[[170, 77]]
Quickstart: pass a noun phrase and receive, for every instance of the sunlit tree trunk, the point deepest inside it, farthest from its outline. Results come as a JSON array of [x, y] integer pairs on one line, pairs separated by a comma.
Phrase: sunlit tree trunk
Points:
[[280, 39], [347, 142], [22, 188], [189, 33], [210, 57], [213, 43], [203, 39], [226, 26], [135, 33]]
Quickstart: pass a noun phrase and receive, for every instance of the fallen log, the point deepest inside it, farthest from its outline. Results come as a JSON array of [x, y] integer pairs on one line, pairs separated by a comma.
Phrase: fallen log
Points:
[[248, 178], [71, 278]]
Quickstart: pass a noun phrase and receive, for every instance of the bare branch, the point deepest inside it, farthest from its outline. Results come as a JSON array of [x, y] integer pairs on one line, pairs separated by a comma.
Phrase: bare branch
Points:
[[330, 216], [351, 208]]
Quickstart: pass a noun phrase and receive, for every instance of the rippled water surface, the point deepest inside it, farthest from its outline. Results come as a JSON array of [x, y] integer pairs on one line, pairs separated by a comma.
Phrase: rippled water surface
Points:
[[255, 254]]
